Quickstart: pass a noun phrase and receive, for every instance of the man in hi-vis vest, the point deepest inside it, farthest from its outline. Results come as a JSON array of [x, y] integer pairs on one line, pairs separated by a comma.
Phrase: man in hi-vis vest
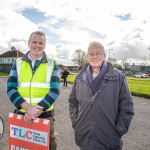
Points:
[[34, 84]]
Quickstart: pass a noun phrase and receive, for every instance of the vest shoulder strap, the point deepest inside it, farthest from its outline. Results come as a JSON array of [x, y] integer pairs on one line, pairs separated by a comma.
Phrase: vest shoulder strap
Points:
[[50, 69]]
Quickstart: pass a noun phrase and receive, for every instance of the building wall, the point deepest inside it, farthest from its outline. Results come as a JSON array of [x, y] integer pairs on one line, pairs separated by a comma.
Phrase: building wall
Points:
[[5, 67], [8, 60], [6, 64], [138, 69], [1, 60]]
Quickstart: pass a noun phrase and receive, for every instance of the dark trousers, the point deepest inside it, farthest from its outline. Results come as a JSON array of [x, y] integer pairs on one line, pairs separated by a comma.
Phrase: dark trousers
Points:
[[65, 81]]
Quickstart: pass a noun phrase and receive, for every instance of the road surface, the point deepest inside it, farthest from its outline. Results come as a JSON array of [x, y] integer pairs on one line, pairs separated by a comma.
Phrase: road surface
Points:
[[138, 137]]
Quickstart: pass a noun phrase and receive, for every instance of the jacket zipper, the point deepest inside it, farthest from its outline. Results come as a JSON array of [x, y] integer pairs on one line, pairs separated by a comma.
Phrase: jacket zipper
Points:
[[93, 97]]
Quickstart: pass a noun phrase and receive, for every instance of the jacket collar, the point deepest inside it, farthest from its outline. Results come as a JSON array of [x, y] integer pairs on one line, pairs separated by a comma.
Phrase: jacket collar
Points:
[[43, 60], [111, 73]]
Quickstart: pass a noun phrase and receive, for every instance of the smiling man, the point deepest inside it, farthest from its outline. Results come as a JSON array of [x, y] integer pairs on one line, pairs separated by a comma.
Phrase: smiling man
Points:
[[100, 103], [34, 84]]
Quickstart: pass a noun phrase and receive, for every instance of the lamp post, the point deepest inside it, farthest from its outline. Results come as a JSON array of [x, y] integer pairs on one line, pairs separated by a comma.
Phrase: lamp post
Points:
[[61, 57], [109, 53], [149, 52], [17, 53]]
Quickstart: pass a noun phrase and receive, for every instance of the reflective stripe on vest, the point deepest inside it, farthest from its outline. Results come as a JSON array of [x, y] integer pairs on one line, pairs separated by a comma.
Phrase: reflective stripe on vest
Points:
[[33, 88], [35, 84]]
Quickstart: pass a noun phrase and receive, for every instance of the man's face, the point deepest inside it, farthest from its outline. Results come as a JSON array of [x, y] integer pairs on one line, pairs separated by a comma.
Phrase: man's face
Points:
[[37, 45], [95, 57]]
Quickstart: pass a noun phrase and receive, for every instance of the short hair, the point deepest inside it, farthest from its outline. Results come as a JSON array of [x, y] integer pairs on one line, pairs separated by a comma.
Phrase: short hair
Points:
[[96, 44], [37, 32]]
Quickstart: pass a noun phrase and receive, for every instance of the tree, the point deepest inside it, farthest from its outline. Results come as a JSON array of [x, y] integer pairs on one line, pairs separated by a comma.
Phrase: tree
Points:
[[112, 60], [126, 65], [79, 57], [119, 67]]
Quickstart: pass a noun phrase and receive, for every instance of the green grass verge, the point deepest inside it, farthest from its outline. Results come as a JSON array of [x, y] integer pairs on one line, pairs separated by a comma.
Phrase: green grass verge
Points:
[[138, 87], [4, 74]]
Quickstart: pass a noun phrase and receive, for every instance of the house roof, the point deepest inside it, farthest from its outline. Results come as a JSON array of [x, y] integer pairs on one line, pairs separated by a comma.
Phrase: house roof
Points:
[[11, 54]]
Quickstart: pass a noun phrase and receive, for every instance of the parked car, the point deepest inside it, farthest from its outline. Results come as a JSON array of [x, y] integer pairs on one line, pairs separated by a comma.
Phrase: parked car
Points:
[[148, 74], [141, 75]]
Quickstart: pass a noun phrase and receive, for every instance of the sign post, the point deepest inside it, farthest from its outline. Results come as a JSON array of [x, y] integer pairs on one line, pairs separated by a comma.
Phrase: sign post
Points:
[[28, 137]]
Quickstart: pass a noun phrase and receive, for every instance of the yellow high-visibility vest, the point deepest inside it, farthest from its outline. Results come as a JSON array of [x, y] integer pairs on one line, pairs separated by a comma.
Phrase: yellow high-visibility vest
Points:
[[34, 87]]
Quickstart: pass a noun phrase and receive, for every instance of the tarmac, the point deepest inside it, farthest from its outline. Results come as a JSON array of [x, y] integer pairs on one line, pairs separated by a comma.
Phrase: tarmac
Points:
[[138, 137]]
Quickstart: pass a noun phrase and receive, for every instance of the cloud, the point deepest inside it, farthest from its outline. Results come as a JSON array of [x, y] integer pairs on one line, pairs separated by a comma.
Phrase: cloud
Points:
[[14, 28], [123, 26]]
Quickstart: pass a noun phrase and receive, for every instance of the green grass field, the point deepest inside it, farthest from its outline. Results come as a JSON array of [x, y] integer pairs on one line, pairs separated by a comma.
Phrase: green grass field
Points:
[[4, 74], [139, 87]]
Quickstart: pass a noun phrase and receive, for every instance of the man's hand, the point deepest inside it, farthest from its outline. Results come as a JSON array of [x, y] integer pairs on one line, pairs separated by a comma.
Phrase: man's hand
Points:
[[27, 119], [32, 112]]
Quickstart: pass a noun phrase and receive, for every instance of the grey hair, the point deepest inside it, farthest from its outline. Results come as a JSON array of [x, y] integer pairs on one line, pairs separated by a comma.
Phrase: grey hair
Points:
[[37, 32], [96, 44]]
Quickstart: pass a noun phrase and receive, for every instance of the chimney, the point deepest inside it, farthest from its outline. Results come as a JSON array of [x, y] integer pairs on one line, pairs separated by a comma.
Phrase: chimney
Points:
[[12, 49]]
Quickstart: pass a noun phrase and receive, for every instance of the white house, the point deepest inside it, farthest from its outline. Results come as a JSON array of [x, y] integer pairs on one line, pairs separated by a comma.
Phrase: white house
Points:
[[7, 59], [9, 56]]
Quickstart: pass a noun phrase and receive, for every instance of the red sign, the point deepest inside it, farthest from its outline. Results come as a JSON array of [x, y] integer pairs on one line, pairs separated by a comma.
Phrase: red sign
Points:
[[28, 137]]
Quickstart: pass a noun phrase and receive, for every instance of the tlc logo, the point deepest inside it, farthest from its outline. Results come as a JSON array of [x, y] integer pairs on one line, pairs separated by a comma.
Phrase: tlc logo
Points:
[[30, 135], [22, 133]]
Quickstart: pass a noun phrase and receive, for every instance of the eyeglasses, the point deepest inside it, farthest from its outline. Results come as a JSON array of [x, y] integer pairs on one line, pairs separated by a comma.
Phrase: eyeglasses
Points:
[[97, 54]]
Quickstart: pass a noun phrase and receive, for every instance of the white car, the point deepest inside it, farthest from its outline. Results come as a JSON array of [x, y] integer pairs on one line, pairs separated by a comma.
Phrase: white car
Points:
[[141, 75]]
